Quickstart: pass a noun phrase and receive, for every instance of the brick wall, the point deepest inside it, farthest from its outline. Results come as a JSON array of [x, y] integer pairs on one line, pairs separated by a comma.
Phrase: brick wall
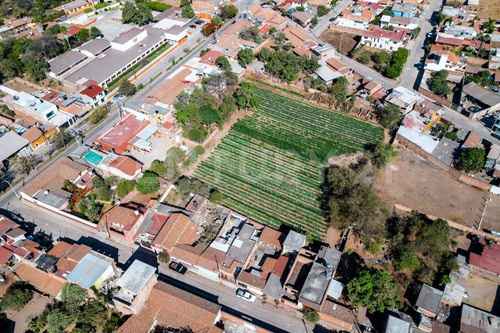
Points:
[[435, 97]]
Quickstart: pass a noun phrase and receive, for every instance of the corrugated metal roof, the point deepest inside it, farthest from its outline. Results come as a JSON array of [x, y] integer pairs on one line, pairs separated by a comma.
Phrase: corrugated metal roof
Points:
[[136, 276], [147, 132], [89, 270]]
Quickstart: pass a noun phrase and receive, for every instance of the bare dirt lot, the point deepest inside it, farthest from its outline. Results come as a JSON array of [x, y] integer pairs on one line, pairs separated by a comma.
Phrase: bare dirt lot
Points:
[[482, 292], [336, 38], [413, 182], [489, 9]]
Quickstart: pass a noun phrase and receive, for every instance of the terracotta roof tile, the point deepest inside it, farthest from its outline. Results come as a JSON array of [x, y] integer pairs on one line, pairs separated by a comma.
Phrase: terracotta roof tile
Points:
[[178, 229], [126, 164], [77, 252], [251, 280], [44, 282], [32, 134], [59, 250], [120, 215], [269, 264], [5, 255], [173, 307], [211, 258], [272, 237]]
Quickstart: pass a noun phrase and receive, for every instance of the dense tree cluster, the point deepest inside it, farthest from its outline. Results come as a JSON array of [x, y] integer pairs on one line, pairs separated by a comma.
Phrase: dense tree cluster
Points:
[[85, 315], [139, 14], [350, 201], [419, 244], [17, 296], [187, 10], [40, 11], [148, 183], [390, 116], [227, 12], [374, 289], [471, 160], [398, 60], [285, 65], [28, 56], [437, 83]]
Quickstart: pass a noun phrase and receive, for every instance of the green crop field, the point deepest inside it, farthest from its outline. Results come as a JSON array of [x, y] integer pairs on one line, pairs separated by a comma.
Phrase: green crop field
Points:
[[270, 165]]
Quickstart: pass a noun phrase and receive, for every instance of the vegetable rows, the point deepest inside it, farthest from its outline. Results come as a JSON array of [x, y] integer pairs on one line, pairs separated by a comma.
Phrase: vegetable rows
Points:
[[269, 166]]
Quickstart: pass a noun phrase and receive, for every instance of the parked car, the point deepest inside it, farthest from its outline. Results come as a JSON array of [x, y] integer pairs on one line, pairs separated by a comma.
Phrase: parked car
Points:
[[117, 96], [192, 26], [246, 295], [178, 267]]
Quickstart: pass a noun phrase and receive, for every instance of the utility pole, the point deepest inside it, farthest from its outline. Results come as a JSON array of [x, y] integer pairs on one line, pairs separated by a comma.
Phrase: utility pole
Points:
[[484, 212], [13, 189]]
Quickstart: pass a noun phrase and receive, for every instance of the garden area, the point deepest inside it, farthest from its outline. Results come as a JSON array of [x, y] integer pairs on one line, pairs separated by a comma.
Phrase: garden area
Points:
[[269, 167]]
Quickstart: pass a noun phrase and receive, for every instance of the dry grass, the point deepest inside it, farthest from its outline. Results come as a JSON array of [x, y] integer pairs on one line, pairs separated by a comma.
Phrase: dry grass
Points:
[[489, 9], [334, 37]]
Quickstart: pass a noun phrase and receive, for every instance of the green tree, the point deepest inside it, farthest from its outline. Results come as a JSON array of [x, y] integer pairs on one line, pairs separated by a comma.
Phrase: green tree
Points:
[[128, 12], [61, 138], [72, 297], [216, 197], [264, 55], [245, 57], [17, 296], [93, 314], [187, 11], [437, 83], [363, 58], [311, 315], [158, 167], [127, 88], [223, 63], [471, 160], [228, 12], [375, 289], [245, 96], [323, 10], [124, 187], [95, 32], [148, 183], [208, 115], [382, 154], [489, 26], [389, 116], [58, 320], [406, 260], [35, 66], [381, 57]]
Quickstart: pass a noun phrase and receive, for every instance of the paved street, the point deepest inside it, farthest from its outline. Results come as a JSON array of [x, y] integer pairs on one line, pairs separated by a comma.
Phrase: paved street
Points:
[[417, 52], [265, 315], [325, 20]]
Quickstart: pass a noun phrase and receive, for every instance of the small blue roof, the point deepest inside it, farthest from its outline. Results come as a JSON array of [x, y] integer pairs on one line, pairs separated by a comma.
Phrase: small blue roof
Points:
[[89, 270]]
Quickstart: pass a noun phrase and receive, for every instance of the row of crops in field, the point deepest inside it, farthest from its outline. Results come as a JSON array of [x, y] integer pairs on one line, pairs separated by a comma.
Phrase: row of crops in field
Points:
[[269, 166]]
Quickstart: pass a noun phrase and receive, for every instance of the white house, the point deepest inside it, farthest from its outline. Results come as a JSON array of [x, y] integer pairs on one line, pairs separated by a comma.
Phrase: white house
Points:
[[444, 59], [383, 39]]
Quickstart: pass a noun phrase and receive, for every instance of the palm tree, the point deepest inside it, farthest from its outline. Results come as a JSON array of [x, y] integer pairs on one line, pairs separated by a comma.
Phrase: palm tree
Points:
[[489, 26]]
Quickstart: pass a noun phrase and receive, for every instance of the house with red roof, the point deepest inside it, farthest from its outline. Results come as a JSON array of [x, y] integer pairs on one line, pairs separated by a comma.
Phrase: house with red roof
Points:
[[210, 57], [384, 39], [121, 222], [488, 259], [93, 94], [123, 136]]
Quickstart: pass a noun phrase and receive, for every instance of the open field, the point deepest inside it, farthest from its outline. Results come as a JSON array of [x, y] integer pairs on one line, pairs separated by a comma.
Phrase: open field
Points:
[[270, 164], [482, 293], [489, 9], [342, 41], [413, 182]]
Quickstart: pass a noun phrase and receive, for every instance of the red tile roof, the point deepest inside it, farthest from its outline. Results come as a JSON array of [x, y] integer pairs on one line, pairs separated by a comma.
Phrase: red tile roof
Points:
[[489, 260], [179, 229], [126, 164], [395, 36], [5, 255], [210, 57], [280, 266], [92, 91], [449, 40], [120, 215], [6, 224], [173, 307]]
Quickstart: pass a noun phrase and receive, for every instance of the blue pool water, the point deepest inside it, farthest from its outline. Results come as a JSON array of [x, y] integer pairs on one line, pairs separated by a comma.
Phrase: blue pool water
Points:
[[92, 157]]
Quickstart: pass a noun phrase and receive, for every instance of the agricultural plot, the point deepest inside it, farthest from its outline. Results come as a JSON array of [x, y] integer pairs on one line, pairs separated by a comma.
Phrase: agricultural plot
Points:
[[270, 164]]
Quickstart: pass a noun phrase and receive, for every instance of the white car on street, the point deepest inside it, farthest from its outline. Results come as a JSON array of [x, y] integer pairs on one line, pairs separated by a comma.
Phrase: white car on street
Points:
[[246, 295]]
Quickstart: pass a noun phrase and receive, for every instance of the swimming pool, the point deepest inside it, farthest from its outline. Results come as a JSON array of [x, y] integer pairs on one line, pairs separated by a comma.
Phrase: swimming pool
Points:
[[92, 157]]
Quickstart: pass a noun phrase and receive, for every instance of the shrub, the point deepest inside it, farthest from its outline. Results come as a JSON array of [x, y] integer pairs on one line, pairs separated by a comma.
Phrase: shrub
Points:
[[17, 296], [148, 183], [158, 6], [125, 187], [363, 58], [311, 316], [72, 296], [164, 257], [471, 160], [216, 197]]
